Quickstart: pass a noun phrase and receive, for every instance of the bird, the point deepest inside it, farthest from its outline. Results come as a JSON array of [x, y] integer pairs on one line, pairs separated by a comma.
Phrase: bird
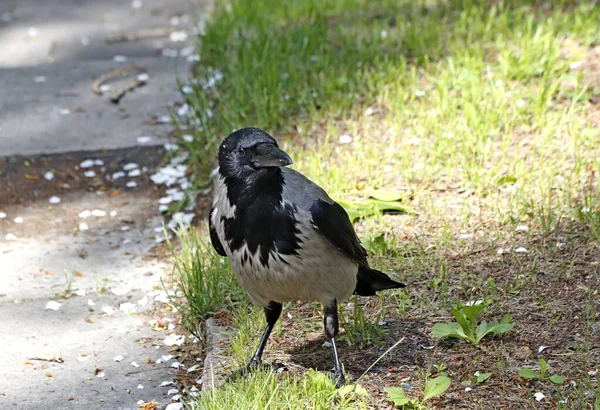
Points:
[[285, 238]]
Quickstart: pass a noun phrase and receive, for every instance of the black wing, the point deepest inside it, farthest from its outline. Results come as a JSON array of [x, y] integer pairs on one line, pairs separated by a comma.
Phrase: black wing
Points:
[[331, 220], [214, 238]]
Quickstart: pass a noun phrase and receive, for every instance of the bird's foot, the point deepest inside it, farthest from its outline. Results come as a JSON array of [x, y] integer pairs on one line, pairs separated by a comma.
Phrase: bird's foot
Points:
[[339, 380], [254, 364]]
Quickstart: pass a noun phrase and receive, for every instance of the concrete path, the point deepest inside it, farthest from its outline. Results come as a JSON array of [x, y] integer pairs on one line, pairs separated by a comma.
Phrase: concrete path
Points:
[[85, 319]]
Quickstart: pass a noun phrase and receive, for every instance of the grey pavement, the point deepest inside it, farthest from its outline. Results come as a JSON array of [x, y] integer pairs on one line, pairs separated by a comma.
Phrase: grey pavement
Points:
[[52, 50], [75, 284]]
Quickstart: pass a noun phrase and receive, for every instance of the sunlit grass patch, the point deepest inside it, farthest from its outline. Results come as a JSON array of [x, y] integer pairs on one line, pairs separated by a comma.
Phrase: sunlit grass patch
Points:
[[480, 114]]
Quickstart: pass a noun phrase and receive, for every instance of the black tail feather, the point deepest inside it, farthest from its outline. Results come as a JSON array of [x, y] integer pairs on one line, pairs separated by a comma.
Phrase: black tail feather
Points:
[[371, 281]]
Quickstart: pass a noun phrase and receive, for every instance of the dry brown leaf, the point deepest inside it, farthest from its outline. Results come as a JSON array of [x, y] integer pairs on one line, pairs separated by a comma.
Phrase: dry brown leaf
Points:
[[33, 177], [77, 273], [27, 362], [71, 398], [148, 406], [48, 374], [47, 272]]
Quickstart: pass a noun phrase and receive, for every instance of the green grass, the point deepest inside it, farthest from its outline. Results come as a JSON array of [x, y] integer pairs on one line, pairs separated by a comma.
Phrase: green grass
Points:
[[204, 279], [470, 108]]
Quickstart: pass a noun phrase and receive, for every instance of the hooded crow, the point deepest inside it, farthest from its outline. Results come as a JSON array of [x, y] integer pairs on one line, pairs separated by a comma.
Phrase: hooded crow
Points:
[[285, 238]]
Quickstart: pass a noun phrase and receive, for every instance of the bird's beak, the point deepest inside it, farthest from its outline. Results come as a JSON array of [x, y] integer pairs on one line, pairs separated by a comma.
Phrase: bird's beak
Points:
[[275, 158]]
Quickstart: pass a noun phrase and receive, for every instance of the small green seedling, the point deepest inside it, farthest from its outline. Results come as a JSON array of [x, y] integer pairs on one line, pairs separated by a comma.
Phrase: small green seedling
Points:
[[466, 326], [529, 374], [476, 379], [433, 387]]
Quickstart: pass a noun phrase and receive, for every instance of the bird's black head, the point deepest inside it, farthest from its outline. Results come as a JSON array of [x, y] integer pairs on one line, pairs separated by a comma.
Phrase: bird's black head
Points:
[[250, 150]]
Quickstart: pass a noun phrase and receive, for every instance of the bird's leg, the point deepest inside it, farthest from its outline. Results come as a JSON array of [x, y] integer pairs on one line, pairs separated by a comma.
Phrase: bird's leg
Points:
[[272, 313], [332, 328]]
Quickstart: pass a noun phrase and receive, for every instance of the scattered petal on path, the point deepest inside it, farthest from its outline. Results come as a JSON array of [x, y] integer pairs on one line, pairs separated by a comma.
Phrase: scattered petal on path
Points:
[[49, 175], [98, 212], [174, 339], [53, 305], [118, 358], [134, 364], [54, 200], [18, 220], [144, 139], [88, 163]]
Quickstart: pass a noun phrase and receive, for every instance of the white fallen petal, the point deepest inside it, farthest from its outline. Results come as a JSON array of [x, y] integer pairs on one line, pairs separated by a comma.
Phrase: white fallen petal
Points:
[[522, 228], [326, 344], [177, 36], [171, 147], [113, 214], [53, 305], [144, 139], [465, 236], [54, 200], [131, 184], [120, 291], [101, 374], [143, 301], [88, 163], [592, 372], [18, 220], [119, 58], [500, 251], [127, 307], [176, 365], [163, 208], [89, 174], [10, 237], [2, 215], [49, 175], [176, 398], [118, 358], [186, 89], [521, 250], [64, 111], [129, 166], [39, 79], [174, 406], [542, 348], [172, 391], [539, 396], [98, 162], [134, 364], [170, 52], [134, 173], [80, 292], [166, 357], [167, 383], [143, 77], [474, 302], [98, 212], [108, 309], [139, 386], [165, 200], [118, 174], [91, 302], [174, 339], [468, 389], [105, 88], [193, 368], [137, 4], [83, 226]]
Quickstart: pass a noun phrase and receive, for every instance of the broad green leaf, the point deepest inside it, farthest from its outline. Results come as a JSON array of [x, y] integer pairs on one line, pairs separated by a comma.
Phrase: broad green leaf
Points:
[[377, 244], [507, 179], [499, 328], [367, 207], [527, 373], [385, 195], [543, 367], [556, 379], [440, 330], [483, 377], [466, 383], [437, 386], [461, 319], [397, 395], [387, 206], [352, 390], [471, 312]]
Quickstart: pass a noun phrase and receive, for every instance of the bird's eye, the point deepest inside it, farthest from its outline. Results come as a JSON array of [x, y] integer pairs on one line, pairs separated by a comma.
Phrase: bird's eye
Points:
[[241, 152]]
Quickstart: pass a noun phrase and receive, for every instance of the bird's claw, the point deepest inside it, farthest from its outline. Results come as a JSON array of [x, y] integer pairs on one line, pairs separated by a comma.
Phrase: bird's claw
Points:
[[252, 366], [339, 380]]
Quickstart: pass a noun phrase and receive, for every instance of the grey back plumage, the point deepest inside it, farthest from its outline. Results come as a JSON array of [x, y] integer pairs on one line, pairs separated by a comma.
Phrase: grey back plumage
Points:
[[301, 191]]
